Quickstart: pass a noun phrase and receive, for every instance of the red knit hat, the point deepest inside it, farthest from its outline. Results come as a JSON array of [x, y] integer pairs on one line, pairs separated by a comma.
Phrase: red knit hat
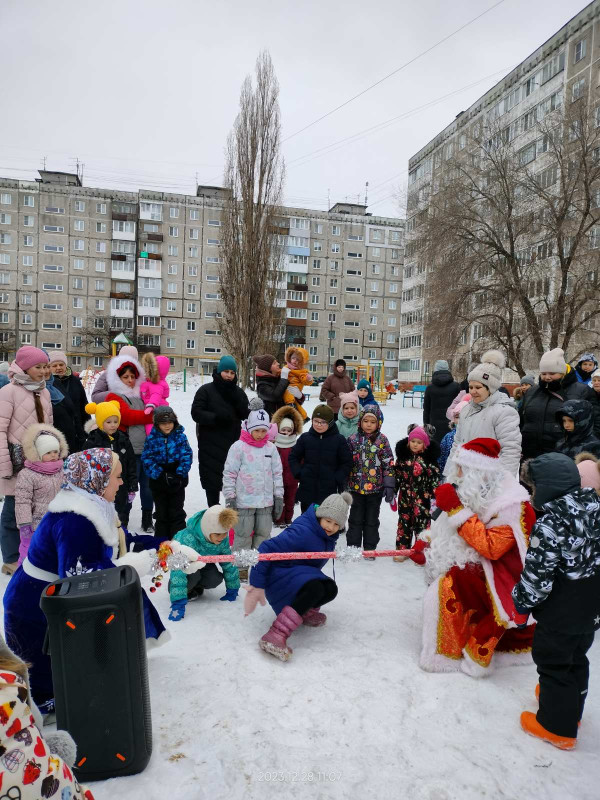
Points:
[[480, 454]]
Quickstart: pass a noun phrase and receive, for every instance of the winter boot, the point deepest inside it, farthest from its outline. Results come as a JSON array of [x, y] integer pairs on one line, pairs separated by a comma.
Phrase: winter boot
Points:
[[314, 618], [531, 726], [147, 524], [275, 639]]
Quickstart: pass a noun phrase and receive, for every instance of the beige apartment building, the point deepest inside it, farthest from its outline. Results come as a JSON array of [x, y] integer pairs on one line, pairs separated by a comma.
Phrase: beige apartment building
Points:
[[564, 69], [79, 265]]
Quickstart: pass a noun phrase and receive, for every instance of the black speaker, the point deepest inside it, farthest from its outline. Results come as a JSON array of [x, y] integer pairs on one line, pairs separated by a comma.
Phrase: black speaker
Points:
[[99, 670]]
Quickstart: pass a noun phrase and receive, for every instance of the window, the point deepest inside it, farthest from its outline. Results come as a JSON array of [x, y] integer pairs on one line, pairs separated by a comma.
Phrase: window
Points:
[[333, 301], [352, 307], [216, 223], [353, 289], [374, 302], [212, 278], [26, 299], [26, 337], [355, 237], [98, 359], [101, 227], [213, 241], [101, 247], [29, 221], [26, 319], [395, 253], [54, 248], [28, 241], [99, 306], [121, 226], [172, 269], [5, 219], [76, 361], [171, 288], [314, 316], [314, 332], [212, 296], [78, 244], [78, 302], [54, 210], [52, 306], [99, 285], [391, 322], [580, 50], [5, 238], [173, 250], [192, 270], [317, 246], [170, 342], [52, 287], [79, 225], [171, 324], [193, 251], [374, 286], [335, 248], [553, 67], [191, 325], [51, 326], [293, 259], [52, 268], [351, 324], [191, 288], [100, 266], [578, 89], [191, 308], [77, 283], [100, 208], [149, 322], [212, 332], [375, 269], [296, 313], [29, 200], [193, 233], [392, 305], [355, 255], [76, 339], [173, 213], [28, 261], [393, 288], [194, 213], [190, 344], [315, 299], [316, 280], [122, 286], [79, 205], [4, 258], [171, 305], [527, 154], [174, 230]]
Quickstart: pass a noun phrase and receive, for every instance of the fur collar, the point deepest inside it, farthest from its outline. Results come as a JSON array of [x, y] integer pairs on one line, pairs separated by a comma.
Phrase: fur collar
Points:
[[115, 384], [512, 494], [66, 501]]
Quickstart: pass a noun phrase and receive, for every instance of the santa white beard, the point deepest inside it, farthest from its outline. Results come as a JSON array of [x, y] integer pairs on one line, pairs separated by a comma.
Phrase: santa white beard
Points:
[[476, 488], [447, 549]]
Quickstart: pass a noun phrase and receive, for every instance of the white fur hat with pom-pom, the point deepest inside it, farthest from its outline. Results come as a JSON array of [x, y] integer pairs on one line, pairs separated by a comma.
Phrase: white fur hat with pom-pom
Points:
[[218, 519], [336, 507], [489, 372]]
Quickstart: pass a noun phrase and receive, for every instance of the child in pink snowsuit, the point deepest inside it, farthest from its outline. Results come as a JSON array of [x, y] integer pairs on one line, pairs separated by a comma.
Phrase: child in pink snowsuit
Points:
[[154, 390]]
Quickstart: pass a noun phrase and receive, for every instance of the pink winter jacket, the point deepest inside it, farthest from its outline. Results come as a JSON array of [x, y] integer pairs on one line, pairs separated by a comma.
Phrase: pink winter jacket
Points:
[[35, 491], [17, 413], [156, 394]]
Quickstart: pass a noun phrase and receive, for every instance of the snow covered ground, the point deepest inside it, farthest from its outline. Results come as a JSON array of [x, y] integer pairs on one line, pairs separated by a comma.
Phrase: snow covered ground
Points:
[[351, 715]]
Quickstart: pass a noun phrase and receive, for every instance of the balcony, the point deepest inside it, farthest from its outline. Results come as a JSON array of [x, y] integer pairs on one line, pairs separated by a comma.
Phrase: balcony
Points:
[[297, 287], [122, 295], [149, 269], [124, 217]]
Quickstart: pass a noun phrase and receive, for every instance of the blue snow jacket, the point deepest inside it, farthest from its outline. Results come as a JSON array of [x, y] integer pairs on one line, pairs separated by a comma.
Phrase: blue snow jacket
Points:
[[282, 580], [72, 538], [167, 453]]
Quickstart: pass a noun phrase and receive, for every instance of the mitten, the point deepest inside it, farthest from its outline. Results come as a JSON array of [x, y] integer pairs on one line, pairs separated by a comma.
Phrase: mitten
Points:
[[285, 374], [309, 379], [394, 504], [520, 617], [253, 597], [190, 554], [131, 497], [418, 556], [141, 562], [148, 410], [389, 489], [177, 610], [277, 508], [26, 532], [446, 498], [293, 390], [230, 594], [230, 502]]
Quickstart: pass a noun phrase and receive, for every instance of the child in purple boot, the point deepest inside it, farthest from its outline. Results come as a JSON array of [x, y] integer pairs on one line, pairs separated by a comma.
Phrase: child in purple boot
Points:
[[296, 590]]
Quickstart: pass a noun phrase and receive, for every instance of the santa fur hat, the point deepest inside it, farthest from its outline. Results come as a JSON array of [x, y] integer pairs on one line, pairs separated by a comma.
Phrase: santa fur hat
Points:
[[482, 454], [218, 519]]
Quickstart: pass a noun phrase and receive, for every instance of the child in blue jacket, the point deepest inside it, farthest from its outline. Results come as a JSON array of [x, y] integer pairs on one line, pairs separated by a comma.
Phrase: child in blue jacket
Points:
[[167, 459], [297, 589]]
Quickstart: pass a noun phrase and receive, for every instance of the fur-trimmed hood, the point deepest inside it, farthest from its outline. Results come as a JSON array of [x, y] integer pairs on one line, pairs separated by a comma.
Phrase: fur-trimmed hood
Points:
[[31, 434], [90, 425], [67, 501], [300, 352], [155, 367], [115, 384], [431, 454], [289, 412]]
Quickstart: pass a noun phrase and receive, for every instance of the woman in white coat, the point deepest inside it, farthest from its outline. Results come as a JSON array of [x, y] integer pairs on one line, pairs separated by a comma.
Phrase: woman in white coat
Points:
[[490, 414]]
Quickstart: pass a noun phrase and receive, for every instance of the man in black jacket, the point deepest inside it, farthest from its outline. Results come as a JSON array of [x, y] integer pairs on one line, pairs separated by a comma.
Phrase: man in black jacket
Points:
[[560, 586], [438, 396], [218, 410], [557, 383]]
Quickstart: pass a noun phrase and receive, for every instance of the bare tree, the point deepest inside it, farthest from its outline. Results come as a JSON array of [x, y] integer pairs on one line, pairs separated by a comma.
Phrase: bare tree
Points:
[[96, 333], [510, 235], [251, 249]]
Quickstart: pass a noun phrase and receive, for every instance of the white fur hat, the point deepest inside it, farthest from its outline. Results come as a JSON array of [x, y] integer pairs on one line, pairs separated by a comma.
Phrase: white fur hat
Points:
[[489, 372], [218, 519]]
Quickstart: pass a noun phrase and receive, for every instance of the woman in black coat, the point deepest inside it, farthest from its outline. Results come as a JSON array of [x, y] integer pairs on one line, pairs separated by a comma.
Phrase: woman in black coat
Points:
[[321, 459], [438, 396], [271, 382], [70, 385], [218, 410]]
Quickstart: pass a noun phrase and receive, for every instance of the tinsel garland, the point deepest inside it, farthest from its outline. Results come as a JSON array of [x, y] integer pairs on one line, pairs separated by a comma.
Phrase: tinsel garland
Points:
[[245, 558], [348, 555]]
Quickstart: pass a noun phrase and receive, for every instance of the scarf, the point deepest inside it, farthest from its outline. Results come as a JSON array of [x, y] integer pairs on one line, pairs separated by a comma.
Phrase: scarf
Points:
[[23, 379], [56, 396], [261, 373], [45, 467], [247, 438], [224, 388], [285, 441]]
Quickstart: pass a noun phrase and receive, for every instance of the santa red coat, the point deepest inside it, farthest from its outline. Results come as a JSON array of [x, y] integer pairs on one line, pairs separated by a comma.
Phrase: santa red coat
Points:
[[473, 563]]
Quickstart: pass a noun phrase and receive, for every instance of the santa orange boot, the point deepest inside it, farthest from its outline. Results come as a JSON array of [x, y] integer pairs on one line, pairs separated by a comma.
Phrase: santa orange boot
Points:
[[531, 726]]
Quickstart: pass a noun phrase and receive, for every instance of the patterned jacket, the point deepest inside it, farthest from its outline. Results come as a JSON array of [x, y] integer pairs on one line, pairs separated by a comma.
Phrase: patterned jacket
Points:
[[167, 453], [253, 476], [372, 458], [192, 536], [560, 582]]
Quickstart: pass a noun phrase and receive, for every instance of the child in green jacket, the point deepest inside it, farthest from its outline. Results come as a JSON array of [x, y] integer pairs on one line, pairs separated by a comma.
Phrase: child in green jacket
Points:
[[206, 533]]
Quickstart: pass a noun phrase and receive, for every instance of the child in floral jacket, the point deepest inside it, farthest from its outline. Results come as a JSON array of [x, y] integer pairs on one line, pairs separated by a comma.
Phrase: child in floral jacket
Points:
[[371, 478], [417, 475]]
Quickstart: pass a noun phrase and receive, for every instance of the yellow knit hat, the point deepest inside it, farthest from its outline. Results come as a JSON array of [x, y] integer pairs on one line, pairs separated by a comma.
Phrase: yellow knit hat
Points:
[[103, 411]]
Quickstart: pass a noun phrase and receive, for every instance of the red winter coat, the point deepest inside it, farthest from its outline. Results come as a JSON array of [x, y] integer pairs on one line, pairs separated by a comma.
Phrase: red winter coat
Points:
[[288, 478]]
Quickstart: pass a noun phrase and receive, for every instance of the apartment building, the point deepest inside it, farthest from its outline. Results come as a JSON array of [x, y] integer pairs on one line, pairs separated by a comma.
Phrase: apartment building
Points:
[[79, 265], [564, 69]]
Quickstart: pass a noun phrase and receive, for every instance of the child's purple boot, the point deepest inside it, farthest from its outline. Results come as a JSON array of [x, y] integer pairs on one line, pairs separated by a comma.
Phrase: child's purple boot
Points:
[[314, 618], [275, 639]]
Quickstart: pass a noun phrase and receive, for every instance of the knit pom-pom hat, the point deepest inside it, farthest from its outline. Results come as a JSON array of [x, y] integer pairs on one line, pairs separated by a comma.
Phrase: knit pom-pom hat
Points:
[[336, 507], [489, 372], [218, 519], [554, 361], [102, 411]]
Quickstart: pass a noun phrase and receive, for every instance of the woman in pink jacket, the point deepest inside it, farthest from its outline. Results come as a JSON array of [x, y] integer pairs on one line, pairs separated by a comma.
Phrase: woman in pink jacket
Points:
[[23, 402]]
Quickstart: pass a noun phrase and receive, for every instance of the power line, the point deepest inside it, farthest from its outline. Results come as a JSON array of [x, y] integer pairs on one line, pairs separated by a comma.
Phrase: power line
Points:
[[394, 72]]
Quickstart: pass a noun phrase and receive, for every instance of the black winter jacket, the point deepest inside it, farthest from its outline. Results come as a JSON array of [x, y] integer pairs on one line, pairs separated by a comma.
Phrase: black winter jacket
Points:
[[438, 396], [539, 428], [65, 419], [71, 386], [560, 582], [120, 445], [218, 410], [582, 439], [270, 390], [322, 463], [594, 399]]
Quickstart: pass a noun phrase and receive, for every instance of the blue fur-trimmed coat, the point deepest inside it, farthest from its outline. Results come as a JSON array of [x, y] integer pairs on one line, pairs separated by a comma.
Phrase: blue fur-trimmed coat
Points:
[[282, 580], [171, 451], [72, 538]]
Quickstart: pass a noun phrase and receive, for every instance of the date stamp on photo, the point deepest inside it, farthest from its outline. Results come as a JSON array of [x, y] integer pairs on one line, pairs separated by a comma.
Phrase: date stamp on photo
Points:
[[299, 776]]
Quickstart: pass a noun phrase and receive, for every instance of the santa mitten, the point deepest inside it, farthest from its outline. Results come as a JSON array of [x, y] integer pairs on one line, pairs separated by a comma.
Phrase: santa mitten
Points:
[[190, 554], [447, 499], [253, 597], [418, 556], [141, 562]]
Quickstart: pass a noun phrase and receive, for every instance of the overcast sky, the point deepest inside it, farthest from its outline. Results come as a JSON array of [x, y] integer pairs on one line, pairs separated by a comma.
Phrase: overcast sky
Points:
[[144, 93]]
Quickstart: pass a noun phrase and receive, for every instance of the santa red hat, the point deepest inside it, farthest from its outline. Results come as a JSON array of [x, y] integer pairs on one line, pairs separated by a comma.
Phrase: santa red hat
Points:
[[480, 454]]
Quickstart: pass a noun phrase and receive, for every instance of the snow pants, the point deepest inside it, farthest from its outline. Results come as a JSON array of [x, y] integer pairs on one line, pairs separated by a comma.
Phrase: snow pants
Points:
[[9, 532], [289, 500], [169, 513], [259, 520], [564, 669], [363, 523], [314, 594]]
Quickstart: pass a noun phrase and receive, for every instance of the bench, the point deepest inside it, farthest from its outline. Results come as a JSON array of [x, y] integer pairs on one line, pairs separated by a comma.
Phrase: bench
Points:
[[416, 391], [306, 396]]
